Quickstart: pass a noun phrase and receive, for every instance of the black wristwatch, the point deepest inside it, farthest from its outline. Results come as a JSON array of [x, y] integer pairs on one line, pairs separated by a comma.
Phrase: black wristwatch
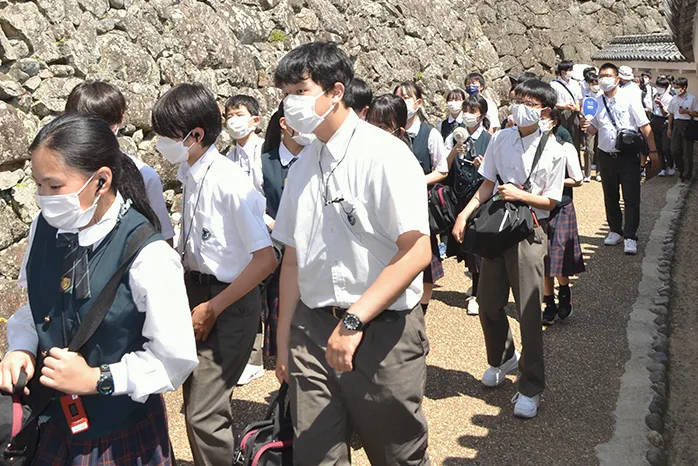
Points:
[[105, 385], [353, 323]]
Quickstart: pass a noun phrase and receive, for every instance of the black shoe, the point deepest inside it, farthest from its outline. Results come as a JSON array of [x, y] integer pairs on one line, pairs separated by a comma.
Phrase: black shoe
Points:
[[549, 314], [564, 309]]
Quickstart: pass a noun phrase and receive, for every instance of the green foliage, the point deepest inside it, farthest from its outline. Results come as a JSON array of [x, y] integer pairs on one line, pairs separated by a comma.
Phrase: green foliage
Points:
[[420, 75], [278, 35]]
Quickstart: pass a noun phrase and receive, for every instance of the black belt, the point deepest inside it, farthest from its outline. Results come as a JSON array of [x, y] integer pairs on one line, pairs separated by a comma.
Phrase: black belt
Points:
[[385, 316], [199, 278]]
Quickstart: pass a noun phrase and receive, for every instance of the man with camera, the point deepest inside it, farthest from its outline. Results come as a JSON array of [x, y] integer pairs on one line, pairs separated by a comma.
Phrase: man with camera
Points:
[[621, 124]]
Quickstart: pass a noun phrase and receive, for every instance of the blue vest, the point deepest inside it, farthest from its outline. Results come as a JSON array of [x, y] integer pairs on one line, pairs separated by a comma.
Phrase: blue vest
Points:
[[57, 317], [420, 147], [448, 128], [274, 175]]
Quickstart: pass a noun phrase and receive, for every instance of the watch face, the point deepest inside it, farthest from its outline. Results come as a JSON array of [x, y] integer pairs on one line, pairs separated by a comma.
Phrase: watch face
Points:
[[351, 322], [106, 386]]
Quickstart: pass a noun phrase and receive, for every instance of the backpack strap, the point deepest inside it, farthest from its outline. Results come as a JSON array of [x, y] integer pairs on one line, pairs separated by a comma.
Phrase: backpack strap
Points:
[[559, 81], [610, 114]]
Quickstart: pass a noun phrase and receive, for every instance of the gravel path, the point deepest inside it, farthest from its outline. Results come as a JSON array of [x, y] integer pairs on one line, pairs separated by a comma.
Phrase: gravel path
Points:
[[470, 425]]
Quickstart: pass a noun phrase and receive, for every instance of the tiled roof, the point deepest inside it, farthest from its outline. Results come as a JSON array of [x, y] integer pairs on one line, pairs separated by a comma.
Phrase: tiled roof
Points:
[[648, 47], [680, 15]]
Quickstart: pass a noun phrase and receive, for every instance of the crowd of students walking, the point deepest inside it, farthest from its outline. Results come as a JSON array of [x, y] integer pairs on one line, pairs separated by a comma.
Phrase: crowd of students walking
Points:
[[343, 202]]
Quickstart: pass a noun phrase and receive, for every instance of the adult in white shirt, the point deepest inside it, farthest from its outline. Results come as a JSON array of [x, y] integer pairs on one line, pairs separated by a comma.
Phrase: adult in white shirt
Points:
[[620, 168], [569, 96], [242, 117], [626, 83], [143, 347], [660, 124], [354, 221], [475, 83], [226, 252], [682, 111]]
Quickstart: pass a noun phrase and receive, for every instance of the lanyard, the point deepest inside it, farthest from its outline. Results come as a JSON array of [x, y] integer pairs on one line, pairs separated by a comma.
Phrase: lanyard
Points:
[[184, 213]]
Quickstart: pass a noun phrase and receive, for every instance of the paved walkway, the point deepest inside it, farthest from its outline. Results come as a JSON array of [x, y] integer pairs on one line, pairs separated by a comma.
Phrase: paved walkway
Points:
[[585, 357]]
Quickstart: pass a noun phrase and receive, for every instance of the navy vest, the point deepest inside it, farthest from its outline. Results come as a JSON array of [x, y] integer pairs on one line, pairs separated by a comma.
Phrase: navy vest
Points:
[[420, 147], [448, 128], [274, 175], [57, 317]]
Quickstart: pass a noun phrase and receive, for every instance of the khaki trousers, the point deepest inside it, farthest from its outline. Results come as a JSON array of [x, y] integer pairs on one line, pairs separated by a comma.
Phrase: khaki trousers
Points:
[[521, 268], [222, 358], [381, 399]]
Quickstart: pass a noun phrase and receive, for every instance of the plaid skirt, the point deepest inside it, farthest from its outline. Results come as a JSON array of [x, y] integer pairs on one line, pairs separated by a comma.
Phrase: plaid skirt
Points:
[[145, 443], [564, 257], [435, 270]]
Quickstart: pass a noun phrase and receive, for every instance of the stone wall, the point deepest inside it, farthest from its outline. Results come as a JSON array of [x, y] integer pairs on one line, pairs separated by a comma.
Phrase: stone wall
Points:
[[144, 47]]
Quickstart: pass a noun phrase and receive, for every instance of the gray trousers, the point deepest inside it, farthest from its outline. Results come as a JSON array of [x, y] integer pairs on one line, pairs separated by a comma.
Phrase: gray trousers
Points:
[[521, 268], [381, 399], [682, 149], [222, 358]]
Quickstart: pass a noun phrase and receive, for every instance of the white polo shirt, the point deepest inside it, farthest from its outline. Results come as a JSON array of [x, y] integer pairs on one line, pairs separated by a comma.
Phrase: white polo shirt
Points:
[[439, 157], [510, 156], [153, 188], [227, 225], [249, 158], [666, 99], [563, 96], [688, 101], [627, 112], [342, 247]]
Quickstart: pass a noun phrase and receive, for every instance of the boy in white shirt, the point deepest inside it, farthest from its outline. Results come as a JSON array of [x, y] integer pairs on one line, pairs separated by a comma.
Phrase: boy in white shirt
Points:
[[682, 110], [241, 119], [475, 84]]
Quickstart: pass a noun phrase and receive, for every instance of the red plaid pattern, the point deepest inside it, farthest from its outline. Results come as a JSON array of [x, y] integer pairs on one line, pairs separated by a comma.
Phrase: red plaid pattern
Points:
[[146, 443], [564, 257]]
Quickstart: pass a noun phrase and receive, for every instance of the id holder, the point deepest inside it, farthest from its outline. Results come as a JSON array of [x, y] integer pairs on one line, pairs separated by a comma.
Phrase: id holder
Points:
[[74, 413]]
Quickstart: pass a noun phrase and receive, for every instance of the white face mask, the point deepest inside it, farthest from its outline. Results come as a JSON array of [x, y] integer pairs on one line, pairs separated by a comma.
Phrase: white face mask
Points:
[[595, 88], [607, 83], [174, 151], [545, 125], [300, 114], [64, 211], [411, 110], [525, 116], [454, 106], [471, 120], [239, 126], [304, 139]]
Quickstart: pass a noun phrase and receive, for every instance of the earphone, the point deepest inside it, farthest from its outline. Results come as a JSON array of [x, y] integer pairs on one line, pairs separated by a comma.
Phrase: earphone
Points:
[[101, 182]]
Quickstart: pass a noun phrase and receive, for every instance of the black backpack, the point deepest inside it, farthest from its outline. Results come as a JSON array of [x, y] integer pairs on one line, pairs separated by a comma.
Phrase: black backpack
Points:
[[15, 412], [442, 208], [268, 442]]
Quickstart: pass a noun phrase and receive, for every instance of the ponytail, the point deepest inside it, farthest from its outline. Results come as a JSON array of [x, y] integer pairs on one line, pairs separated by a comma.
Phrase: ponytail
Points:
[[132, 186]]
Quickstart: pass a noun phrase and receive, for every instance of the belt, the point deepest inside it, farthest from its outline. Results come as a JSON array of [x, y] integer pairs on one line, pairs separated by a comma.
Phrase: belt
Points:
[[385, 316], [199, 278]]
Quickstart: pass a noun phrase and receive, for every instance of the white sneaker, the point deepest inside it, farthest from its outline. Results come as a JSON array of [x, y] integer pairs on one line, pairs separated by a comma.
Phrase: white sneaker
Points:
[[670, 172], [587, 179], [612, 239], [250, 373], [473, 308], [630, 246], [662, 173], [525, 407], [598, 178], [495, 376]]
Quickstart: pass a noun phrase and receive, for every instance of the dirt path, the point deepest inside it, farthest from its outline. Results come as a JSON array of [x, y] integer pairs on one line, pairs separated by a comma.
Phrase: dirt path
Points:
[[682, 416]]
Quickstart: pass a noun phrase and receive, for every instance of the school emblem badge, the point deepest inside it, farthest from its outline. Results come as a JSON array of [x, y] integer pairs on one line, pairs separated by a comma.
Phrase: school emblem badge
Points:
[[205, 235], [65, 284]]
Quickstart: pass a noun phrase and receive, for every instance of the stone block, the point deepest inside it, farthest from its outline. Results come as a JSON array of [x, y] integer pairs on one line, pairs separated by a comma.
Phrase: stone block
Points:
[[11, 260], [24, 22], [13, 136]]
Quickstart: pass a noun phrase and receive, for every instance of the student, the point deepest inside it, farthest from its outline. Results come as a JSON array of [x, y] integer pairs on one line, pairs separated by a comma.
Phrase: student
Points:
[[92, 199], [389, 113], [454, 106], [464, 159], [514, 81], [648, 92], [242, 117], [620, 169], [226, 252], [659, 122], [428, 147], [592, 90], [106, 101], [564, 258], [569, 96], [475, 84], [682, 109], [509, 156], [358, 97], [355, 224]]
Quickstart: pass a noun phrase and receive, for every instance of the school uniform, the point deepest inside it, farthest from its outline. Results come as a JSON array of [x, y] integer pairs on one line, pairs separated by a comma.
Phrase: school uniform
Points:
[[660, 124], [493, 114], [448, 125], [428, 147], [590, 141], [222, 225], [521, 267], [249, 158], [153, 188], [343, 209], [619, 168], [146, 338], [681, 147], [569, 93]]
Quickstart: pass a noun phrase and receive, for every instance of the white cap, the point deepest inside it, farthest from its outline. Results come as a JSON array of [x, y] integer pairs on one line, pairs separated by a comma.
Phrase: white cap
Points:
[[625, 73]]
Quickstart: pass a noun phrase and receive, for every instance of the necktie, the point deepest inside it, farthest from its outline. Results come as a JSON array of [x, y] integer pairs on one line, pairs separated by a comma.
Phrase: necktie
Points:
[[75, 273]]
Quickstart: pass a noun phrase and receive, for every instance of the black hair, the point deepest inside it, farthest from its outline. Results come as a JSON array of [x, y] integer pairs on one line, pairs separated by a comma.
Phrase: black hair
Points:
[[185, 107], [272, 138], [480, 103], [592, 76], [456, 94], [565, 65], [86, 143], [681, 82], [588, 70], [539, 90], [516, 80], [663, 82], [323, 62], [242, 100], [357, 95], [97, 98], [646, 73], [609, 66], [389, 110], [671, 78], [413, 90], [476, 77]]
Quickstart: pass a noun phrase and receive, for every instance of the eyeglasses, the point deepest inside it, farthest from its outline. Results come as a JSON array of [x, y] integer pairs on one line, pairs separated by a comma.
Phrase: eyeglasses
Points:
[[527, 103]]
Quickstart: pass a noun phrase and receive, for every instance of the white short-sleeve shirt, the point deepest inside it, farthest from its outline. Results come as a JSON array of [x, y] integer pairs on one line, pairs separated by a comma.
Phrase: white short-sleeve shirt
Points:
[[249, 158], [379, 193], [153, 187], [627, 113], [493, 114], [435, 143], [688, 102], [563, 96]]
